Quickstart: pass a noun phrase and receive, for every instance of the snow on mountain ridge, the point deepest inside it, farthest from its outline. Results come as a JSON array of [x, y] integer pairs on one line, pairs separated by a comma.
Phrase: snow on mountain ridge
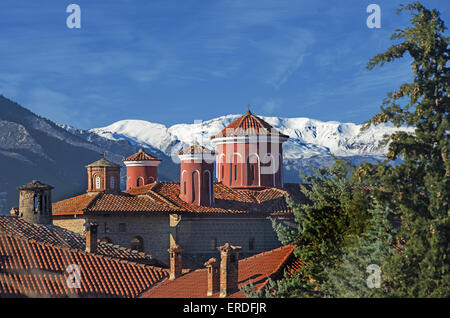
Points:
[[308, 137]]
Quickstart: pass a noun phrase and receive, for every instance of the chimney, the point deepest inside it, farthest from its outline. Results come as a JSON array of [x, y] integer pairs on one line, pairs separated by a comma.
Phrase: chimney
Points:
[[229, 255], [91, 237], [212, 267], [14, 211], [175, 253]]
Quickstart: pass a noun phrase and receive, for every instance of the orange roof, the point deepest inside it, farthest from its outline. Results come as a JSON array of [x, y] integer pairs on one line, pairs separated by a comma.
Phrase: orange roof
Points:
[[256, 269], [196, 149], [141, 155], [58, 236], [110, 202], [164, 197], [249, 125], [33, 269]]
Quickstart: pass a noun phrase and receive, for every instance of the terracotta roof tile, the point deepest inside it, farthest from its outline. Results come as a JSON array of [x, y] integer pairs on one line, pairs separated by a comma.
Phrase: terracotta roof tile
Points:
[[196, 148], [256, 269], [249, 125], [141, 155], [34, 269], [103, 163], [58, 236], [163, 197]]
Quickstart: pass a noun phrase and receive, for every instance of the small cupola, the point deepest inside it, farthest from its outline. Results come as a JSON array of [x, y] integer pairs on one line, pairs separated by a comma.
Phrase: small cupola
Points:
[[196, 175], [103, 175], [142, 169]]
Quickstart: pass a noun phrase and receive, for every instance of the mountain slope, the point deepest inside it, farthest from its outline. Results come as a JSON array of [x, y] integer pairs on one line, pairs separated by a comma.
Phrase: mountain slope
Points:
[[312, 142], [32, 147]]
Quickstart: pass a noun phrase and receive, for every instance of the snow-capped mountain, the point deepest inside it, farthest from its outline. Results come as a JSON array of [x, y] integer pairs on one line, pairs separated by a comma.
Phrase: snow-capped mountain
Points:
[[312, 142], [308, 137]]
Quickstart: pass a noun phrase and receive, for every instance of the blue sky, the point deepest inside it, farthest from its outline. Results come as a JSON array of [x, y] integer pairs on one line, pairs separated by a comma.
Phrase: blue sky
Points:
[[177, 61]]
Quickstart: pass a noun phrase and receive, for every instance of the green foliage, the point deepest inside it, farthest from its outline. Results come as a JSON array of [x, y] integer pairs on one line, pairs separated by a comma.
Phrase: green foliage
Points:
[[337, 214], [418, 187], [350, 223]]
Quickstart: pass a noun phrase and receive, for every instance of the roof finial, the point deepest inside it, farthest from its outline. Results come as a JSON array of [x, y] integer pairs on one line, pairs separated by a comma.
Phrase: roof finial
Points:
[[103, 154], [248, 110]]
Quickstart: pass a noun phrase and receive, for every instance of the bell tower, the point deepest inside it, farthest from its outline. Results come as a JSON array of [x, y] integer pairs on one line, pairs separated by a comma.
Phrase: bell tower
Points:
[[196, 175], [103, 175], [35, 203]]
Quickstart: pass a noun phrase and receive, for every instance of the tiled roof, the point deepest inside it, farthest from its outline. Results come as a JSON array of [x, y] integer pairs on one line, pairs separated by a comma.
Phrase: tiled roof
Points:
[[228, 200], [256, 269], [141, 155], [294, 266], [35, 269], [196, 149], [249, 125], [163, 197], [108, 202], [58, 236], [75, 204], [103, 163]]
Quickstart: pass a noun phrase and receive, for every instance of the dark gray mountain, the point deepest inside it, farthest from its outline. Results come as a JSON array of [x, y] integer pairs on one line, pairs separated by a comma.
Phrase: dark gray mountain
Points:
[[33, 147]]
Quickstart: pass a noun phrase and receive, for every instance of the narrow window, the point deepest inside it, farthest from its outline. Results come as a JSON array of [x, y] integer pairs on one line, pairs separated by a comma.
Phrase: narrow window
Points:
[[35, 203], [112, 183], [39, 207], [97, 182], [223, 172], [235, 172], [184, 187]]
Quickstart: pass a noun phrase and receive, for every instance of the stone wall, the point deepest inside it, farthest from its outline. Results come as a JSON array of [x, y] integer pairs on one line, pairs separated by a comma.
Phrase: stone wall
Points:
[[199, 236], [154, 231]]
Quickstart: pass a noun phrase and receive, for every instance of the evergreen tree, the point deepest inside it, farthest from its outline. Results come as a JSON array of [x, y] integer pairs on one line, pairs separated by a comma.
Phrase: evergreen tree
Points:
[[337, 213], [349, 278], [418, 187]]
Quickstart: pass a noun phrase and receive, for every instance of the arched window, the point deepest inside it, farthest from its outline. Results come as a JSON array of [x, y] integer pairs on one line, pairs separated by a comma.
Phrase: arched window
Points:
[[35, 203], [45, 204], [137, 244], [97, 182], [195, 183], [139, 181], [207, 185], [151, 180], [112, 182]]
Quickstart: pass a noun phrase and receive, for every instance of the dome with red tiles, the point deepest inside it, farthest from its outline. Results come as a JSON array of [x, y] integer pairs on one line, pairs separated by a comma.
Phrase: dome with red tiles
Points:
[[196, 148], [249, 125], [142, 169], [250, 154], [141, 155]]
